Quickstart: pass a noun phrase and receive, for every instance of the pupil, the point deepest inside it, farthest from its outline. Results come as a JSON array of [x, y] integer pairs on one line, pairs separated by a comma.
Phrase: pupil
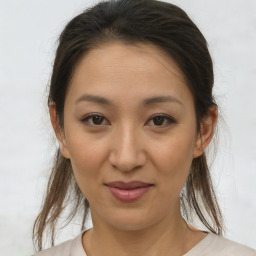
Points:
[[97, 119], [158, 120]]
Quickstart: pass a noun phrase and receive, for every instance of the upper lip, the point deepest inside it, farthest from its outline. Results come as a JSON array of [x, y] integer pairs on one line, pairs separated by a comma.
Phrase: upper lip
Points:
[[128, 185]]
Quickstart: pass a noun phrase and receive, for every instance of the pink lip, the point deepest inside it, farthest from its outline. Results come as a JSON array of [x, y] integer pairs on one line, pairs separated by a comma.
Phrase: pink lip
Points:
[[128, 192]]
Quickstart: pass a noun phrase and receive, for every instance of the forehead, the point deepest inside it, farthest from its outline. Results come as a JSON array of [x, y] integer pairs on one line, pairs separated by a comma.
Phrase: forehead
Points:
[[119, 70], [149, 59]]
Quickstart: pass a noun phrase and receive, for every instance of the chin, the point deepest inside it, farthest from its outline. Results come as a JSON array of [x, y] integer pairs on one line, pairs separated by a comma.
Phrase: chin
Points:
[[130, 221]]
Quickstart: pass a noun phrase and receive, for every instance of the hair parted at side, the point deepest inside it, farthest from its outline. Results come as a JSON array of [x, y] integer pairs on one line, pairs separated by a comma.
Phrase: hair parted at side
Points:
[[131, 21]]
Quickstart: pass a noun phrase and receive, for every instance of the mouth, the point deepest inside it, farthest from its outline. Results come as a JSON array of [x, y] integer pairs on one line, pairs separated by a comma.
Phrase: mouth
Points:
[[128, 192]]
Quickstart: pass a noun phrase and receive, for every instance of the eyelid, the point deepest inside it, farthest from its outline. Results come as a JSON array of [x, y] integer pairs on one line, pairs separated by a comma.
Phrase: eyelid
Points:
[[170, 119], [85, 119]]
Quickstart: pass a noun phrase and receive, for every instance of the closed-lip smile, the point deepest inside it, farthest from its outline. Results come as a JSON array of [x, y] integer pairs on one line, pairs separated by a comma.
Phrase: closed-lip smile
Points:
[[128, 185], [128, 191]]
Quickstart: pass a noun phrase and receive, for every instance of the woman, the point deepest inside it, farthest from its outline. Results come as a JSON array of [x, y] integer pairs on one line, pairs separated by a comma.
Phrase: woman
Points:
[[132, 108]]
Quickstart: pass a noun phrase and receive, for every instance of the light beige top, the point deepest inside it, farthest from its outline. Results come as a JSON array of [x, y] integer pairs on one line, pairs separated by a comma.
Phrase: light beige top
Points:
[[211, 245]]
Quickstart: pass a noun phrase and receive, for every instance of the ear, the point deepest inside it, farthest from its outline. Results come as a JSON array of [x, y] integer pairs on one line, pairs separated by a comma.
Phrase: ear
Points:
[[59, 132], [206, 133]]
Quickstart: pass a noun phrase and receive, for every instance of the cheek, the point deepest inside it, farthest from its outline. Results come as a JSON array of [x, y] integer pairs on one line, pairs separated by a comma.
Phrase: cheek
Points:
[[173, 159], [86, 157]]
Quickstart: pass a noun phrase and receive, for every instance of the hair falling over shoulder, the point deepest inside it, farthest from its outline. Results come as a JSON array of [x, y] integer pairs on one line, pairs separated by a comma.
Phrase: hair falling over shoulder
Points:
[[62, 191]]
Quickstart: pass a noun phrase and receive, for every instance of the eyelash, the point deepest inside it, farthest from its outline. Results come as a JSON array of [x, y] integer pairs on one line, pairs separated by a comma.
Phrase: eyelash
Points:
[[85, 119]]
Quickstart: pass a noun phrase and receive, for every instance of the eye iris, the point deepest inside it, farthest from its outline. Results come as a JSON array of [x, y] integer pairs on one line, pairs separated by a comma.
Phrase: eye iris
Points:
[[158, 120], [97, 119]]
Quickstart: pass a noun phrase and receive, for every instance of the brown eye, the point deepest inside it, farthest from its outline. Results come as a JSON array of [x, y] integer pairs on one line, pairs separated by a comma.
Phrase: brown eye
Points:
[[97, 120], [93, 120], [162, 120], [158, 120]]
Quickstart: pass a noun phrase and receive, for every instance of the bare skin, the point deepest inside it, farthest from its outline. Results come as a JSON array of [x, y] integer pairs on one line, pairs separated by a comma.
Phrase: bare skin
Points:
[[160, 244], [127, 143]]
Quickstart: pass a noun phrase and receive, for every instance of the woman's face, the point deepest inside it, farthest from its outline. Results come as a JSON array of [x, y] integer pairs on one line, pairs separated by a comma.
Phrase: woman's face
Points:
[[129, 116]]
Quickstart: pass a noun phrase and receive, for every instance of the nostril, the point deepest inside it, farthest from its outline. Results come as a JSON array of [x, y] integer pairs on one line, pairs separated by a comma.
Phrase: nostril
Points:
[[127, 162]]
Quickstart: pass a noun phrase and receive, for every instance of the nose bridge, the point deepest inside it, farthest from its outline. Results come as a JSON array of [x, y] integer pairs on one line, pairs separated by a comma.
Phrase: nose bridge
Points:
[[127, 152]]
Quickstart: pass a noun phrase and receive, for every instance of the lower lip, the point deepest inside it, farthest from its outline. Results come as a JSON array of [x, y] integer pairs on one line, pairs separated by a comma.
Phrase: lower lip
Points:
[[128, 195]]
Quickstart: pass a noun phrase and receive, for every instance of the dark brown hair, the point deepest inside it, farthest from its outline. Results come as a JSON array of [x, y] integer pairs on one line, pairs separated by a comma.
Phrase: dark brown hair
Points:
[[131, 21]]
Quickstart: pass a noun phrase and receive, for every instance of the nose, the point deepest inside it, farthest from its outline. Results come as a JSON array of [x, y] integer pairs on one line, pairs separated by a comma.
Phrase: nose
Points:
[[127, 151]]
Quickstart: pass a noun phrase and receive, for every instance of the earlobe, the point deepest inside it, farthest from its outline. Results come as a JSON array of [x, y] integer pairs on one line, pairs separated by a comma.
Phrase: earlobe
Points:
[[206, 133], [58, 131]]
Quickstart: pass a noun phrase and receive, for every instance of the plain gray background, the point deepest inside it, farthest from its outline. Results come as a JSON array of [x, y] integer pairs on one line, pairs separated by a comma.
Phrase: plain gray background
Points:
[[29, 30]]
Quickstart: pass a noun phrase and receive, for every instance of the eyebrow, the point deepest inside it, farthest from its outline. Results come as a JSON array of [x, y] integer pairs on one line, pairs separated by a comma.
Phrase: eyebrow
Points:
[[146, 102]]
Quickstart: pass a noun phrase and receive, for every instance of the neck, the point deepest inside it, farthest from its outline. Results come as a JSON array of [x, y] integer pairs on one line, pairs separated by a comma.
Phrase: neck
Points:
[[155, 240]]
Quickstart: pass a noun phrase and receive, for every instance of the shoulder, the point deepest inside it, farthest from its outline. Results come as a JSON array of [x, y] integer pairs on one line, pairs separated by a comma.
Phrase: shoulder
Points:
[[216, 245], [234, 248], [62, 249], [70, 247]]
